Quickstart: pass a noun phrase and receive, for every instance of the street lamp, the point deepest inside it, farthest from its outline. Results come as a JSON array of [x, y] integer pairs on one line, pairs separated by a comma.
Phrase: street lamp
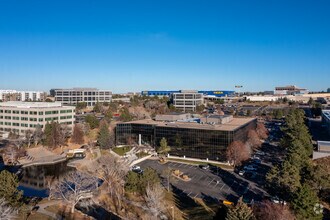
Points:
[[172, 212]]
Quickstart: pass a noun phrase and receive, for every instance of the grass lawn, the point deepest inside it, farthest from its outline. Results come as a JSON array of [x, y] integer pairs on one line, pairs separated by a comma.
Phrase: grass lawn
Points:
[[200, 163], [142, 154], [121, 150]]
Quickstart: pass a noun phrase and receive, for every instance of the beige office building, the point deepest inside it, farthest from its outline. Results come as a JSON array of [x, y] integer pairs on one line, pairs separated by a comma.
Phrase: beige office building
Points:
[[88, 95], [21, 116], [187, 100]]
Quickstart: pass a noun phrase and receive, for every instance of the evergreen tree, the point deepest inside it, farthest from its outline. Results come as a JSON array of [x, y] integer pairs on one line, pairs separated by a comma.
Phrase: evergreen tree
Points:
[[97, 107], [8, 189], [164, 148], [240, 212], [304, 203], [104, 138], [92, 121]]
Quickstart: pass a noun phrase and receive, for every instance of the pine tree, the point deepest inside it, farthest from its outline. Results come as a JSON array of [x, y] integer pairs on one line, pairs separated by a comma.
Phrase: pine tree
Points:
[[104, 138], [240, 212], [8, 189], [304, 203]]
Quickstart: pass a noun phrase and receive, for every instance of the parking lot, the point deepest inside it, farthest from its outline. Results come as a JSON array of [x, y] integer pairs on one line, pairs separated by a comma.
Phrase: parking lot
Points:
[[211, 184]]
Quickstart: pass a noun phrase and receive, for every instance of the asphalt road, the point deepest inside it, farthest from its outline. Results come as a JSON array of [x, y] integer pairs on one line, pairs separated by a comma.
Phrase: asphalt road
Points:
[[207, 184]]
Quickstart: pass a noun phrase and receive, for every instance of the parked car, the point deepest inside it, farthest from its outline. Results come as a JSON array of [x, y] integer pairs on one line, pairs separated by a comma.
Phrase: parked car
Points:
[[204, 167], [241, 172], [250, 168], [256, 161], [260, 153], [276, 200]]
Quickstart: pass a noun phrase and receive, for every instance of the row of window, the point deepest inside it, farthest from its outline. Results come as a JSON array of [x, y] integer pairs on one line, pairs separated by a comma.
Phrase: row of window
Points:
[[35, 112], [27, 125], [35, 119]]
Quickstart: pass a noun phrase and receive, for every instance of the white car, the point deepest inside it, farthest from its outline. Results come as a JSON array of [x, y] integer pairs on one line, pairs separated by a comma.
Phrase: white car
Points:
[[276, 200], [241, 172], [136, 167]]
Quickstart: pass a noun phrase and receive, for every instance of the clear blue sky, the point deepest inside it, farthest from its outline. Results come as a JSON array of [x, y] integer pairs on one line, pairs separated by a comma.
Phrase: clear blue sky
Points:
[[164, 44]]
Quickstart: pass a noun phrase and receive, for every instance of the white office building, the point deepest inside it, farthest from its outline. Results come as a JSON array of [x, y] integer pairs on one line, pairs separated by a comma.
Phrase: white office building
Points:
[[13, 95], [89, 95], [187, 100], [21, 116]]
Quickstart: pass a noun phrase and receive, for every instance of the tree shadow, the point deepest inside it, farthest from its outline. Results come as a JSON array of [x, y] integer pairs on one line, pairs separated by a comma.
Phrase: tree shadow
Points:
[[191, 209]]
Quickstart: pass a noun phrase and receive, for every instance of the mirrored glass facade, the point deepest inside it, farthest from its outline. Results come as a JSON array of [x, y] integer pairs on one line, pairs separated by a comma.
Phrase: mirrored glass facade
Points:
[[189, 142]]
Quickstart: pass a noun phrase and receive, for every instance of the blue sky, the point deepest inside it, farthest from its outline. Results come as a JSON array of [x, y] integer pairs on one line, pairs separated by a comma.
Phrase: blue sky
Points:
[[165, 44]]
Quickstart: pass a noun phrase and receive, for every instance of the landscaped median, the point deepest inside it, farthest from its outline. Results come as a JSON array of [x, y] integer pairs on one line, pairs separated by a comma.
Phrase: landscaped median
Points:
[[197, 162]]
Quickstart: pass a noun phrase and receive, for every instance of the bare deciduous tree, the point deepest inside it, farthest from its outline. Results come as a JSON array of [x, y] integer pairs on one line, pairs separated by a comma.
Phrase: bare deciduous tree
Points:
[[237, 152], [262, 131], [28, 137], [78, 134], [113, 173], [270, 211], [37, 135], [254, 140], [11, 154], [75, 186], [6, 211], [155, 200]]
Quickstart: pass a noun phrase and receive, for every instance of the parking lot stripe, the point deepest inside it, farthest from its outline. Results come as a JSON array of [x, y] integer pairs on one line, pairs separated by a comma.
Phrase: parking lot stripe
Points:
[[222, 186], [210, 182], [189, 193]]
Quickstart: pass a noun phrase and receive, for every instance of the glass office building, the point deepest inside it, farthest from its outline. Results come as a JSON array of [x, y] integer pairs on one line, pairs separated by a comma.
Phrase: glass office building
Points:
[[186, 139]]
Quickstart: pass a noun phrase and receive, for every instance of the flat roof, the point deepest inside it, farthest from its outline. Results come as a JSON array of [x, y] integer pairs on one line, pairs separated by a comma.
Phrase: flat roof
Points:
[[230, 126], [18, 104]]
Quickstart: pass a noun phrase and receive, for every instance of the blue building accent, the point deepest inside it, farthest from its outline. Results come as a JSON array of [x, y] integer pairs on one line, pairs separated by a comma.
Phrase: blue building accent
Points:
[[215, 93], [159, 93], [218, 93]]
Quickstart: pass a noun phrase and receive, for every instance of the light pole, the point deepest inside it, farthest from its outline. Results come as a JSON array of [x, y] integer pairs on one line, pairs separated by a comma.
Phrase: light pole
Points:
[[172, 212]]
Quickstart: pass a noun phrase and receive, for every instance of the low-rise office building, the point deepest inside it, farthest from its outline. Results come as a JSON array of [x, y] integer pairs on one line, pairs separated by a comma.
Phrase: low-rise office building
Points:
[[188, 139], [88, 95], [21, 116], [13, 95], [187, 100], [289, 90]]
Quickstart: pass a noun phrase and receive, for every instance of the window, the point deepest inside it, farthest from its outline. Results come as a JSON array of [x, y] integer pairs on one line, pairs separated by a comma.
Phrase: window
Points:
[[41, 113], [15, 112], [69, 111], [24, 118], [8, 123], [24, 125], [1, 111], [33, 119], [48, 112], [24, 112], [62, 111], [15, 118], [8, 111], [7, 117], [16, 124], [33, 113], [41, 120]]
